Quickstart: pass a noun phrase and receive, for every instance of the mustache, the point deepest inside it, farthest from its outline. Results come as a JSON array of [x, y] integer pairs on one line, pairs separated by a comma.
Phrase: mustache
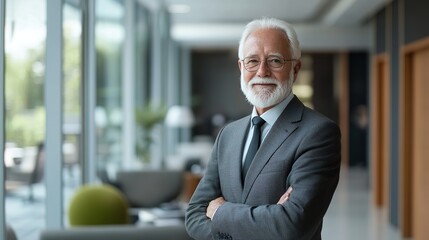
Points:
[[258, 80]]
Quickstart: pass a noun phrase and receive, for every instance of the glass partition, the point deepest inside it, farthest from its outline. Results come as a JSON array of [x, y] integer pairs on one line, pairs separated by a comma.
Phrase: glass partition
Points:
[[25, 39], [109, 35], [72, 94], [303, 86], [25, 34]]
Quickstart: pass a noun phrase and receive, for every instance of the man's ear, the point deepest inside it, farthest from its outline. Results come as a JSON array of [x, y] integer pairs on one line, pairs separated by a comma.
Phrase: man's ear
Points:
[[296, 68], [239, 64]]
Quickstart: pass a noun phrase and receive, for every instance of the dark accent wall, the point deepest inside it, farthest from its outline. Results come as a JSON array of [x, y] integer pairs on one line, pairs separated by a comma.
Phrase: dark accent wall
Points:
[[380, 32], [393, 49], [416, 20], [387, 41], [323, 85], [216, 89], [358, 107]]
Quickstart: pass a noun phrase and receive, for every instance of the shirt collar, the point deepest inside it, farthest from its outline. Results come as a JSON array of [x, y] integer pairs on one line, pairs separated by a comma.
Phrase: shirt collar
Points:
[[273, 114]]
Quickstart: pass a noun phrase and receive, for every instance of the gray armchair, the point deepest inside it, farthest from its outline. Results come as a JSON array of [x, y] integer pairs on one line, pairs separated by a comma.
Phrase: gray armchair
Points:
[[10, 233], [17, 177], [150, 188]]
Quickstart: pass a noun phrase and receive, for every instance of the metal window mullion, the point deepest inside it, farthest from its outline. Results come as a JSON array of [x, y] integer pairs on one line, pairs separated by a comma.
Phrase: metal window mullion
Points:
[[54, 119], [186, 94], [156, 59], [2, 117], [173, 91], [155, 96], [89, 140]]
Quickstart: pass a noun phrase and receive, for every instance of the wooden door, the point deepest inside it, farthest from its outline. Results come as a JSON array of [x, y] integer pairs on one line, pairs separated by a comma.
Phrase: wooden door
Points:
[[420, 147], [414, 143]]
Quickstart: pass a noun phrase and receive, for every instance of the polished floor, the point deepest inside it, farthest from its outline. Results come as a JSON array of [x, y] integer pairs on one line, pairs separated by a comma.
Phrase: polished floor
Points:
[[351, 215]]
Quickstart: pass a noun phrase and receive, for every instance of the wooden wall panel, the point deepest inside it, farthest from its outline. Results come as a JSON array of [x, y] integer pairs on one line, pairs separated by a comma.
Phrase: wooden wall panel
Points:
[[405, 144], [380, 112], [414, 152]]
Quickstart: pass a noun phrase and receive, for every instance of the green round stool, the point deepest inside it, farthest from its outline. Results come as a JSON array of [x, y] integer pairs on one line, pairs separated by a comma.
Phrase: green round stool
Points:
[[98, 205]]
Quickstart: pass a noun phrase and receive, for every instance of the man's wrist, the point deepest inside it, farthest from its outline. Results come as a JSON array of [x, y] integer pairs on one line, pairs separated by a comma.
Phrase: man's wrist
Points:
[[214, 206], [214, 212]]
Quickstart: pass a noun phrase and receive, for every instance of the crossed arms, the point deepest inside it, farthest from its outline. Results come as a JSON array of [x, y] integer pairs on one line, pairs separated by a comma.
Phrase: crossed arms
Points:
[[216, 203]]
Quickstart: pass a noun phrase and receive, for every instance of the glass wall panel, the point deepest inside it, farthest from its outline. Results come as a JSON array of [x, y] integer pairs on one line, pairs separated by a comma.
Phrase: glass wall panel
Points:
[[72, 109], [303, 86], [109, 34], [142, 57], [141, 94], [25, 34]]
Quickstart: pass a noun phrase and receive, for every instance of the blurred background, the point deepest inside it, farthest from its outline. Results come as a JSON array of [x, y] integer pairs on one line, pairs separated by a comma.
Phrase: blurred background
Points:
[[94, 89]]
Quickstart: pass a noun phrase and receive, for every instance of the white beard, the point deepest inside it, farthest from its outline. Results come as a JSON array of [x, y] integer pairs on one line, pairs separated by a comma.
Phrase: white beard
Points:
[[266, 97]]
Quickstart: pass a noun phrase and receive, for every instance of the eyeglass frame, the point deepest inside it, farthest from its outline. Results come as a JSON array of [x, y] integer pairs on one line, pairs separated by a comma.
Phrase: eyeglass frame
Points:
[[266, 62]]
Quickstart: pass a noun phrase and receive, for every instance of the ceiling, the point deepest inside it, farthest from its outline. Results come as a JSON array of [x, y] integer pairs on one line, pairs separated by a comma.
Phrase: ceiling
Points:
[[217, 23]]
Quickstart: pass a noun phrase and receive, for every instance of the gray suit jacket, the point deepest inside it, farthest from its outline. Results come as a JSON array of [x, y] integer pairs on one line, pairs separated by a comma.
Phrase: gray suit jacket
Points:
[[301, 150]]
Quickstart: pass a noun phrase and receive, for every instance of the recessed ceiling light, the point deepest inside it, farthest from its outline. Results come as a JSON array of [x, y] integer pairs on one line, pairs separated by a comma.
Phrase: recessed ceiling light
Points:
[[179, 8]]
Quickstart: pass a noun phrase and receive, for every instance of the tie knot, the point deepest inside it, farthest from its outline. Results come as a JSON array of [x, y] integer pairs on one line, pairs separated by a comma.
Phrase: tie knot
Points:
[[258, 121]]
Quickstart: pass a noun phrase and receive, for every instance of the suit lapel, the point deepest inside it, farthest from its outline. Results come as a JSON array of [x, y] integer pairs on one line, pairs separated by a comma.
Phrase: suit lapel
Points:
[[235, 164], [285, 125]]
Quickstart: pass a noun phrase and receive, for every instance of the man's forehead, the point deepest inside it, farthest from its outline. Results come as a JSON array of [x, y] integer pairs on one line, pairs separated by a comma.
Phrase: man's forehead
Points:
[[269, 42]]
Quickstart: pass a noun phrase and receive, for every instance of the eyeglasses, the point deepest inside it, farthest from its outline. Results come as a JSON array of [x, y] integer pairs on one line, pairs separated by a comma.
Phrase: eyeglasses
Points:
[[275, 63]]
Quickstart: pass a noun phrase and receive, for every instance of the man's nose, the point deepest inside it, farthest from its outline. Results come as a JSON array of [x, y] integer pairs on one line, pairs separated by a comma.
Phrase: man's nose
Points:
[[263, 70]]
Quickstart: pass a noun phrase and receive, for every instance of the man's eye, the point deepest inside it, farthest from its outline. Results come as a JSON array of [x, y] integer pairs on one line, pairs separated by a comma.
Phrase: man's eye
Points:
[[275, 60], [252, 61]]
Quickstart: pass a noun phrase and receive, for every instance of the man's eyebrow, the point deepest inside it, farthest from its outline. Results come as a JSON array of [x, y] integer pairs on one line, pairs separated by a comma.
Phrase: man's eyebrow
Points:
[[251, 55], [275, 54]]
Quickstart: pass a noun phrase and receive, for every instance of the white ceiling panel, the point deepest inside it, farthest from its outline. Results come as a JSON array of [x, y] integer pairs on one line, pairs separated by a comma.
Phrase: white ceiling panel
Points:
[[352, 12], [327, 23], [239, 11]]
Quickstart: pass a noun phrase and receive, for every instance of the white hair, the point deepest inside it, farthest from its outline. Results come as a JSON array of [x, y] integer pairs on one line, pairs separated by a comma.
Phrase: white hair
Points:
[[271, 23]]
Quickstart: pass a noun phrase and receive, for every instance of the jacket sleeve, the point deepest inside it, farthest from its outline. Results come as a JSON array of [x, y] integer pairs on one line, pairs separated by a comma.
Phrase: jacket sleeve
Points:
[[313, 177], [198, 225]]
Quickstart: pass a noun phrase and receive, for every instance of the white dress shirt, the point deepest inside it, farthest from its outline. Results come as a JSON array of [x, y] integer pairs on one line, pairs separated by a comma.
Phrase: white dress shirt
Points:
[[270, 118]]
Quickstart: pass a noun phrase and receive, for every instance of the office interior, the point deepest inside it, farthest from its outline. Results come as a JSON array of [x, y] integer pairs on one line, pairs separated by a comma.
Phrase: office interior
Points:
[[78, 75]]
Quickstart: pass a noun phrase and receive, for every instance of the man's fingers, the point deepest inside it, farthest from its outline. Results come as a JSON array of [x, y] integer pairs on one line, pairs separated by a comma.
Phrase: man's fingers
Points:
[[285, 196], [213, 206]]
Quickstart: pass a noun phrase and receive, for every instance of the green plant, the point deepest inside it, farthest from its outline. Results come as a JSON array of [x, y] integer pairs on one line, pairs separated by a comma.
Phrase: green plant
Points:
[[147, 118], [26, 128], [98, 205]]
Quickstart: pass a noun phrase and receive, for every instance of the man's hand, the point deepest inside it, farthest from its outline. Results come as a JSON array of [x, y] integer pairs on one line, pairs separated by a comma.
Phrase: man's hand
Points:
[[213, 206], [285, 196]]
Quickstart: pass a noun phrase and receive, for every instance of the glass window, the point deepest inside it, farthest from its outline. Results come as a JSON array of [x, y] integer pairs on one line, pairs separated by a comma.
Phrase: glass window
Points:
[[25, 37], [142, 56], [109, 34], [25, 34], [303, 86], [72, 108]]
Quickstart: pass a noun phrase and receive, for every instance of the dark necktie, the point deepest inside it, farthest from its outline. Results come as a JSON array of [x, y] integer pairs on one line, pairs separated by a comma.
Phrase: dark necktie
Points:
[[254, 144]]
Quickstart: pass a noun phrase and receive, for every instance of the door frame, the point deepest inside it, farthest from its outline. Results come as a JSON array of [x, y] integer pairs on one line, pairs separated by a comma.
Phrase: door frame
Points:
[[380, 125]]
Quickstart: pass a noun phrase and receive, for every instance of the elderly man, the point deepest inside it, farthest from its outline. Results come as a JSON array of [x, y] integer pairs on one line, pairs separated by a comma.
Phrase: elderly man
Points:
[[272, 174]]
